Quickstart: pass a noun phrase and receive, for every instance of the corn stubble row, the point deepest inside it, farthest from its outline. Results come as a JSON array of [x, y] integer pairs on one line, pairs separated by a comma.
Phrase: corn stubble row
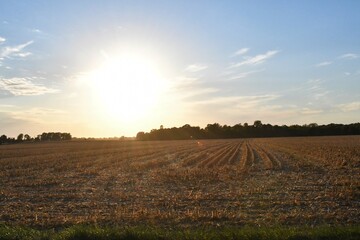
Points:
[[291, 181]]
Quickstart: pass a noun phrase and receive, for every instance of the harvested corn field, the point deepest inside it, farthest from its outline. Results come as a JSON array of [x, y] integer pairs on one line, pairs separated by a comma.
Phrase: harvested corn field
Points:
[[265, 181]]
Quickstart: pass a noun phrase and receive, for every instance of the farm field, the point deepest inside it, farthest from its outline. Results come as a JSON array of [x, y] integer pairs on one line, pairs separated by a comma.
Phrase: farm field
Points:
[[262, 182]]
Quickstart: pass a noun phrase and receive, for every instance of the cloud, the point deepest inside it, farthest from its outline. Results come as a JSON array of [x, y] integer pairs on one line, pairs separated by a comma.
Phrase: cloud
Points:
[[36, 114], [348, 107], [243, 75], [349, 56], [240, 101], [322, 64], [15, 51], [309, 111], [23, 87], [316, 89], [195, 67], [36, 30], [240, 52], [2, 40], [256, 59], [187, 87], [15, 119], [237, 108]]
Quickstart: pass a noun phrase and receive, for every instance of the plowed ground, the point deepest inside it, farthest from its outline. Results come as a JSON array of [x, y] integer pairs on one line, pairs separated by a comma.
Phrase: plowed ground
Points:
[[292, 181]]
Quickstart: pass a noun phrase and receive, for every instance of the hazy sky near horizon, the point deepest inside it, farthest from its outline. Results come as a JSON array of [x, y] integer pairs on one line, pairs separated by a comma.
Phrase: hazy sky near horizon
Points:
[[113, 68]]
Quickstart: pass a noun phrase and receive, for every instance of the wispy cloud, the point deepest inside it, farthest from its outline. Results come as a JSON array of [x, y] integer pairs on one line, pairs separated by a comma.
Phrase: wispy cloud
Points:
[[23, 87], [237, 108], [310, 111], [15, 51], [35, 30], [6, 106], [240, 52], [240, 101], [36, 114], [348, 107], [18, 117], [322, 64], [2, 40], [256, 59], [243, 75], [188, 86], [195, 67], [349, 56], [316, 88]]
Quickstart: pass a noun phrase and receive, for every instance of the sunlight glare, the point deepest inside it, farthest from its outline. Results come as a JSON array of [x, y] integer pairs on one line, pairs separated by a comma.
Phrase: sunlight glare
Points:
[[127, 87]]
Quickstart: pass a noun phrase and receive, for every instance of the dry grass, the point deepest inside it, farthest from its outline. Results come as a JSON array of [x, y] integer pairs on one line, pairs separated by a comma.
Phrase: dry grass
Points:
[[291, 181]]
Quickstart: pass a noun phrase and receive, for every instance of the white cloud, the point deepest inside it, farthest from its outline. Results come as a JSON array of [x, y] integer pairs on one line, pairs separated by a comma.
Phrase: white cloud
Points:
[[347, 107], [36, 114], [316, 89], [309, 111], [243, 75], [349, 56], [239, 107], [195, 67], [2, 40], [322, 64], [23, 87], [256, 59], [36, 30], [241, 52], [17, 51], [184, 83], [188, 86], [23, 117], [240, 101], [315, 81]]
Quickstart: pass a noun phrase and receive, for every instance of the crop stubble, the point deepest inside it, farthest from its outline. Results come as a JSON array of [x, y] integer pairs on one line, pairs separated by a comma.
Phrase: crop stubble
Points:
[[265, 181]]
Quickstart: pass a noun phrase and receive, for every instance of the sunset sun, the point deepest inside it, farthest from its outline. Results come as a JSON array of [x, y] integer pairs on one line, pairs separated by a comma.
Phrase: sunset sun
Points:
[[127, 87]]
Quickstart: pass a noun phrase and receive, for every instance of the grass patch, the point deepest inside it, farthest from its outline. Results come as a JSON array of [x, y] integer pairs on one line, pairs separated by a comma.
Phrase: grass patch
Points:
[[149, 233]]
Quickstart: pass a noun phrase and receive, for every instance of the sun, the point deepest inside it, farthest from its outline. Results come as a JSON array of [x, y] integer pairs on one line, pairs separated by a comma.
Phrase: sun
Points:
[[127, 87]]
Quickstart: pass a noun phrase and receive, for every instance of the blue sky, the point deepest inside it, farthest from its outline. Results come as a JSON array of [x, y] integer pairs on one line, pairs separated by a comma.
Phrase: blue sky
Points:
[[112, 68]]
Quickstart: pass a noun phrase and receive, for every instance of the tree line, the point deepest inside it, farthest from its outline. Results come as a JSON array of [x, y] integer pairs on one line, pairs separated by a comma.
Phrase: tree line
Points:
[[49, 136], [258, 129]]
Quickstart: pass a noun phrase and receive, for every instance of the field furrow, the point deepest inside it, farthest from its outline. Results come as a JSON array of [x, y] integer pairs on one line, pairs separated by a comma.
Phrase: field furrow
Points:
[[202, 153], [213, 158], [263, 181]]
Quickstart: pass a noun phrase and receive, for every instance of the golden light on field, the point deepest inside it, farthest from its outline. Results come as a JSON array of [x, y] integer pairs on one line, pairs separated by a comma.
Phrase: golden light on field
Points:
[[127, 87]]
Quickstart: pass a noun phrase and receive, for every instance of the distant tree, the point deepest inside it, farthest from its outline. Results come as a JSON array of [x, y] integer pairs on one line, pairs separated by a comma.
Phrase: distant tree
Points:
[[20, 137], [259, 129], [44, 137], [27, 137], [37, 138], [258, 124], [3, 139], [65, 136], [140, 136], [214, 130]]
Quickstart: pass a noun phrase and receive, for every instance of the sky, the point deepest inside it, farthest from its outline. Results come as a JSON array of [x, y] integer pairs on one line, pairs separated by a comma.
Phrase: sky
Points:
[[114, 68]]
